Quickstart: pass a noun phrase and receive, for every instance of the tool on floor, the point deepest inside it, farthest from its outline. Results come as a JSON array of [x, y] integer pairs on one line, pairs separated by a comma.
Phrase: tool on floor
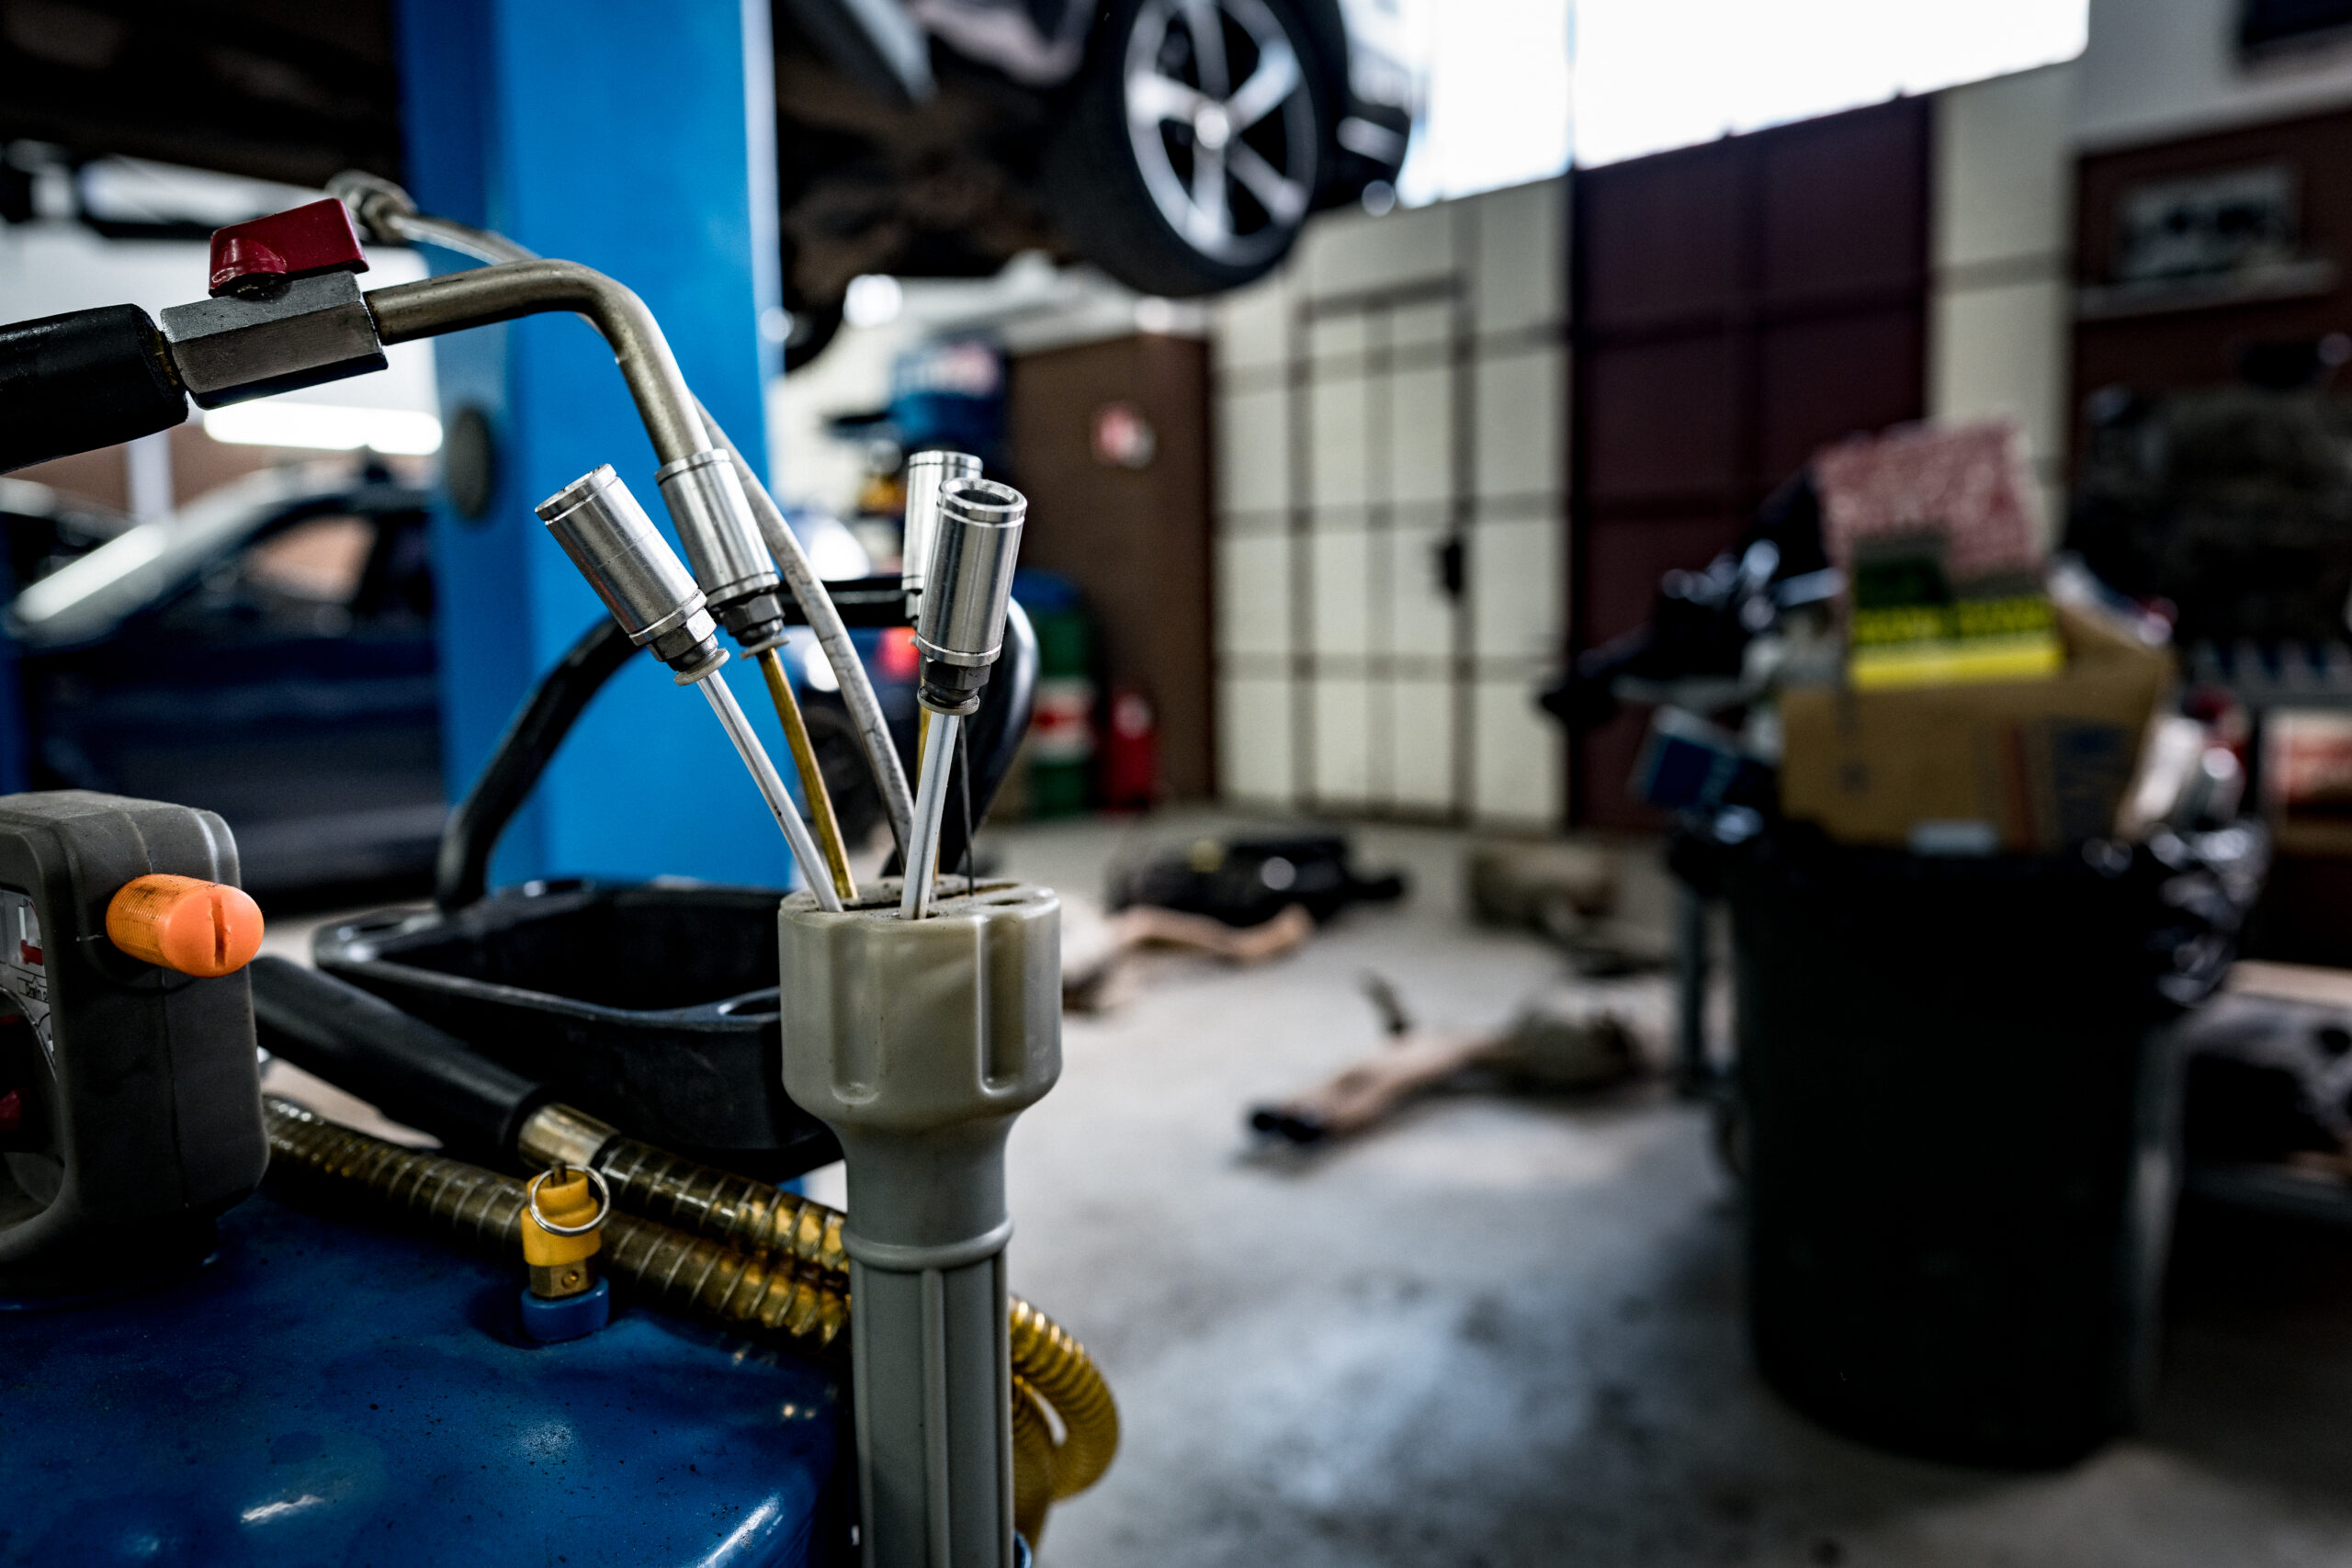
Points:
[[1251, 877], [1096, 947], [967, 590], [614, 544], [1558, 1043]]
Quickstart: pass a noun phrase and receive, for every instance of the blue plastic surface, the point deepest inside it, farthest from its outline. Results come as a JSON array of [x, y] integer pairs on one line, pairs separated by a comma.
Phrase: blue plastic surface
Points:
[[566, 1317], [331, 1393], [636, 137]]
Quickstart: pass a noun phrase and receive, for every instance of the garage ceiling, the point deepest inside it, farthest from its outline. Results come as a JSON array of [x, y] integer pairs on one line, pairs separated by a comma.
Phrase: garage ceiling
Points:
[[275, 89]]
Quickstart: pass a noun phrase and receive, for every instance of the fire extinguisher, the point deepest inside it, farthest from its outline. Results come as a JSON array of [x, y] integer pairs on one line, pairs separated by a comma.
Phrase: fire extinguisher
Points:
[[1130, 751]]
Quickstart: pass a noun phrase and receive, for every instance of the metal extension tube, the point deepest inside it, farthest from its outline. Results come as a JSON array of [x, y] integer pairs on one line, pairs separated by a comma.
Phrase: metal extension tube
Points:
[[813, 867], [479, 297], [931, 804], [832, 635], [967, 593], [823, 821], [655, 600], [387, 210]]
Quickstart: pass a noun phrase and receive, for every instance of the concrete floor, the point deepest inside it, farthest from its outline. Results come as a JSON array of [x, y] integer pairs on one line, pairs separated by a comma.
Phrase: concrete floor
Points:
[[1508, 1332]]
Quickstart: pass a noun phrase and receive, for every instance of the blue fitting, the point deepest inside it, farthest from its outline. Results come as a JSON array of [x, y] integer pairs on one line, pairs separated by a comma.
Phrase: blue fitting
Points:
[[568, 1317]]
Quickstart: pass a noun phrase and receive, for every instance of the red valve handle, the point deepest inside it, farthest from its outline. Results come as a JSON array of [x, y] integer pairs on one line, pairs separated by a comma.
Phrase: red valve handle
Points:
[[293, 244]]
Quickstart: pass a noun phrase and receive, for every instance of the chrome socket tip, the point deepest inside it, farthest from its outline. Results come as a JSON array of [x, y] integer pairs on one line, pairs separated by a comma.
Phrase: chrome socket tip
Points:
[[927, 474], [970, 586], [632, 569], [705, 495]]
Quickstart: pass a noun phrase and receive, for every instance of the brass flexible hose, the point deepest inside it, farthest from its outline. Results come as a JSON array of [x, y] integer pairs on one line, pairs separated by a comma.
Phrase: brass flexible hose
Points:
[[698, 1276], [768, 1222], [751, 1216], [1032, 1464], [685, 1273], [1057, 1369]]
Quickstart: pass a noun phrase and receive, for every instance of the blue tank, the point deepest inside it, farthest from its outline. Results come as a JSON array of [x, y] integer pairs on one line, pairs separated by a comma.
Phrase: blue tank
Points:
[[329, 1390]]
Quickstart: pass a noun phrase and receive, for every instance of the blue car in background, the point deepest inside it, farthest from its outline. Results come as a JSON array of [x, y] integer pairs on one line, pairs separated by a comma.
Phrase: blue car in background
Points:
[[266, 652]]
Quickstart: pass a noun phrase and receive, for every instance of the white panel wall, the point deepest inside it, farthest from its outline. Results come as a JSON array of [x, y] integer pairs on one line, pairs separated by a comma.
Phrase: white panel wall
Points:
[[1999, 310], [1400, 383]]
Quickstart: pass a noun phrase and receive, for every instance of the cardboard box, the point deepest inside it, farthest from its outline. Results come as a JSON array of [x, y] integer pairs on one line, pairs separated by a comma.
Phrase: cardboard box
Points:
[[2029, 765]]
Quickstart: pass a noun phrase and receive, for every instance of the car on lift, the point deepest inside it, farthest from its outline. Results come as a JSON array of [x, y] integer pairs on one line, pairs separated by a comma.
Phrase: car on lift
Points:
[[1179, 144]]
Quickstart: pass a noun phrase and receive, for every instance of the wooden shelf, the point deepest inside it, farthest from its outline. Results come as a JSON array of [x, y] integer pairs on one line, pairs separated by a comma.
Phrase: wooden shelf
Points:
[[2126, 301]]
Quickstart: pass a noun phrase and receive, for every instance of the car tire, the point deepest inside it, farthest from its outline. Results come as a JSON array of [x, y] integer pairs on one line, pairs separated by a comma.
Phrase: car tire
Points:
[[1125, 172]]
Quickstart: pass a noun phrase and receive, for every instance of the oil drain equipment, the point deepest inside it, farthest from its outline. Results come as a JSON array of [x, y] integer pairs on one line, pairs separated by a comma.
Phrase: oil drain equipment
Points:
[[960, 633], [287, 311], [918, 1041]]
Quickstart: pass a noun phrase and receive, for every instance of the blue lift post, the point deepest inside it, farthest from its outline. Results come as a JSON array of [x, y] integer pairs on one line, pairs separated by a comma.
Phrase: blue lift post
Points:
[[636, 137]]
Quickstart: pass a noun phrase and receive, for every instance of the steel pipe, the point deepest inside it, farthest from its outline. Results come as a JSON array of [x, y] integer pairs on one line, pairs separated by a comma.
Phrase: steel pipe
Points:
[[507, 291], [832, 635], [389, 212]]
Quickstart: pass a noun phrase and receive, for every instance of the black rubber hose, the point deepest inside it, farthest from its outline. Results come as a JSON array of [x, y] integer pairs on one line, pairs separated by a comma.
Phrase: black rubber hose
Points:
[[994, 736], [461, 872], [83, 380], [461, 869], [411, 1071]]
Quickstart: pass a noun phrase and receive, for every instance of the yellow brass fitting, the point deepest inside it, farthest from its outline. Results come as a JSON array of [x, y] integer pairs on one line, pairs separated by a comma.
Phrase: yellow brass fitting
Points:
[[564, 1221]]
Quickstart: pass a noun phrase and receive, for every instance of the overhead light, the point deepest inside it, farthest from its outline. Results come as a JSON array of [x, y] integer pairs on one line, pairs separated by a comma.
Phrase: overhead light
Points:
[[873, 300], [328, 427]]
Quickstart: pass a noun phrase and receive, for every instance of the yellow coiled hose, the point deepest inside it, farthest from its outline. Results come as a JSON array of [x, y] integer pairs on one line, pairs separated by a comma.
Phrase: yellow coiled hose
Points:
[[767, 1222], [742, 1252]]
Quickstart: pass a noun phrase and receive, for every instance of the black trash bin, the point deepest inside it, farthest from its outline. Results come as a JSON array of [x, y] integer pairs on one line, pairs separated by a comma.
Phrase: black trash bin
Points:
[[1956, 1109]]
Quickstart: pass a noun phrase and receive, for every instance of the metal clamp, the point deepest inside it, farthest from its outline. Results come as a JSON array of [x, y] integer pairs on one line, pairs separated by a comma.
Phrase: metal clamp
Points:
[[595, 1181]]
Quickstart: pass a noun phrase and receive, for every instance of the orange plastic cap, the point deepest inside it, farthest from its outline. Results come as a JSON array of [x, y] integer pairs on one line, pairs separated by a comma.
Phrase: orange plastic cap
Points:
[[180, 922]]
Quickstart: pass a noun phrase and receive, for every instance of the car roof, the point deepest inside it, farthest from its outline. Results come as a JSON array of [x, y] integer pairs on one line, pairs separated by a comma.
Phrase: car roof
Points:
[[88, 597]]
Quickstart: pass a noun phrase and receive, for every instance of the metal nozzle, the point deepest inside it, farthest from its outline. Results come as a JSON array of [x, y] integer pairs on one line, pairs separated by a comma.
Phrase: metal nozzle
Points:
[[927, 474], [633, 570], [706, 499], [970, 584]]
